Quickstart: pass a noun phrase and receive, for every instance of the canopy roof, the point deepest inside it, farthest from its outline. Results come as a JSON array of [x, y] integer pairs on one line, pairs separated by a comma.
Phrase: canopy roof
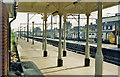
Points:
[[64, 7]]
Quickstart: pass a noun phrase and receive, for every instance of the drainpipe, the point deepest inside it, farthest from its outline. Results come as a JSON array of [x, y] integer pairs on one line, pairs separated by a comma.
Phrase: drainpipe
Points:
[[78, 27], [15, 14]]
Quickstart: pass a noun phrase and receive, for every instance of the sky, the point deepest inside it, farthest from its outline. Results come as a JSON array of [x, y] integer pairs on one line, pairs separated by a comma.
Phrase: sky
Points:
[[22, 18]]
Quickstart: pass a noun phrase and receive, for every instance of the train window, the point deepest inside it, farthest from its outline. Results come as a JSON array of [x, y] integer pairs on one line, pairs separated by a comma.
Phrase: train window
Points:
[[108, 27], [113, 32], [93, 34], [89, 34], [104, 27], [117, 33], [111, 27]]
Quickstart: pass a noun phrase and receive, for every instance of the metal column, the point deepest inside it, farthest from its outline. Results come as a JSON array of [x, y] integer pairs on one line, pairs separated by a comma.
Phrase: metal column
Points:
[[51, 26], [28, 27], [99, 55], [60, 61], [87, 60], [43, 36], [24, 33], [54, 32], [78, 26], [64, 43], [30, 32], [115, 34], [119, 34], [33, 33], [20, 31], [45, 43]]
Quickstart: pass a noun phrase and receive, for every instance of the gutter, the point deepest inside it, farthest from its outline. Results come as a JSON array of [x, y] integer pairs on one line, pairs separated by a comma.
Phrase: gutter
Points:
[[15, 13]]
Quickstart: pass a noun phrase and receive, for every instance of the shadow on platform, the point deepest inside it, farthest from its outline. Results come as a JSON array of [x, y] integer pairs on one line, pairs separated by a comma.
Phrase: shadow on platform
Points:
[[62, 69]]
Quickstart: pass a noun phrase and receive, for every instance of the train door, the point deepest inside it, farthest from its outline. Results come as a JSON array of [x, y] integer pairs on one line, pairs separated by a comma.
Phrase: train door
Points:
[[106, 36], [83, 35], [112, 37]]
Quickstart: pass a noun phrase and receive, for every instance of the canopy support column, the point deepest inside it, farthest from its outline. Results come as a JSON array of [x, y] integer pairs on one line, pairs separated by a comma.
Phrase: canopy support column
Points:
[[87, 60], [43, 36], [24, 33], [99, 55], [60, 61], [28, 27], [45, 45], [20, 30], [33, 33], [118, 34], [78, 27], [51, 27], [64, 43]]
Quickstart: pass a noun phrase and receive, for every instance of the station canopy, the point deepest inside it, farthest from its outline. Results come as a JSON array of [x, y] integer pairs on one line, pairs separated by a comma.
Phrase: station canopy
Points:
[[71, 7]]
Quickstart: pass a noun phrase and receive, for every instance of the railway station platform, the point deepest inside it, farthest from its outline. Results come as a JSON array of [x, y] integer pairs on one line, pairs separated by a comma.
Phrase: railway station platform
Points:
[[110, 51], [73, 63]]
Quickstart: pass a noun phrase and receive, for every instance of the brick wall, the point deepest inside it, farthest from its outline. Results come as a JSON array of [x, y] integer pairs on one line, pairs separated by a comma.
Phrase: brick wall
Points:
[[4, 20], [0, 40]]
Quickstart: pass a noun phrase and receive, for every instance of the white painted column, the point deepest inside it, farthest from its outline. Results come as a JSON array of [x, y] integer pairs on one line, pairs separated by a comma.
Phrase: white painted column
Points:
[[87, 53], [43, 36], [60, 61], [27, 27], [99, 55], [119, 34], [115, 34], [64, 43], [20, 31], [45, 43], [33, 33], [51, 27], [24, 33]]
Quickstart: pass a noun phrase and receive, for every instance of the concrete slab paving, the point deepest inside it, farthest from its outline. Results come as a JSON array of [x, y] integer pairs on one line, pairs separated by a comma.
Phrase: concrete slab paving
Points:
[[73, 63]]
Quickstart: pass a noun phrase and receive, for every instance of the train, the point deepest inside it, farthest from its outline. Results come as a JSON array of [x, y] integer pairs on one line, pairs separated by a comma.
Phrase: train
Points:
[[108, 36]]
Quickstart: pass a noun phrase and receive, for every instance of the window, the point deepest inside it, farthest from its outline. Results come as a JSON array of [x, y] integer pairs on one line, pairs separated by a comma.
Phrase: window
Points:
[[104, 27], [113, 32], [108, 27], [113, 27]]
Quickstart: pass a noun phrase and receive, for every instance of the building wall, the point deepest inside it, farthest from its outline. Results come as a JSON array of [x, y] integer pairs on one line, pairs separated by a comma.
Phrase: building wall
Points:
[[4, 20]]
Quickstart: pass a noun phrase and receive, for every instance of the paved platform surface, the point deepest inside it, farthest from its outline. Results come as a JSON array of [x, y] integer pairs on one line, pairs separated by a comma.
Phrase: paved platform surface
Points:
[[73, 64]]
